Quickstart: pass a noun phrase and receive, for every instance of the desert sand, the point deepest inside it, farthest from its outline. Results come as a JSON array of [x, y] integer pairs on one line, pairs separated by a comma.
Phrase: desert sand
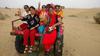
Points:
[[81, 33]]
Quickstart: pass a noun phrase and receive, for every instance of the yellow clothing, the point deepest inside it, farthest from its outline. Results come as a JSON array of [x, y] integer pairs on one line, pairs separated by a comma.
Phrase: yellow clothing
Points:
[[59, 13], [43, 16]]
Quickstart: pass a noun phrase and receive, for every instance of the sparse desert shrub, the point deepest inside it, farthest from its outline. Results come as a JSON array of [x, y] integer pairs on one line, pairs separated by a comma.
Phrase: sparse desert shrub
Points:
[[3, 17], [6, 15], [97, 18], [86, 17], [72, 16], [7, 8]]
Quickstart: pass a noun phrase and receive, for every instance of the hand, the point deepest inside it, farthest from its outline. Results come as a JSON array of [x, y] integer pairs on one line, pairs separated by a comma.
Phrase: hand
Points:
[[50, 28], [53, 26], [15, 28], [32, 28], [39, 3], [21, 17]]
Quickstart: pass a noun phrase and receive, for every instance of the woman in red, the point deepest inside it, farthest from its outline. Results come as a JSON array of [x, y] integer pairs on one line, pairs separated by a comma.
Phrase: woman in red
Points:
[[51, 33]]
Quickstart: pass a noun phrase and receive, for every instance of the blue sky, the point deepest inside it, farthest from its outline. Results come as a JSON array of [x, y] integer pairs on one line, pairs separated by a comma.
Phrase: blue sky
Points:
[[66, 3]]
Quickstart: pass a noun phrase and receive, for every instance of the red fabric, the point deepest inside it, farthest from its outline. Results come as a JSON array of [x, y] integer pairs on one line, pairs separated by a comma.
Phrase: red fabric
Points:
[[19, 32], [42, 23], [25, 36], [31, 35], [53, 19], [49, 38], [23, 26], [37, 12]]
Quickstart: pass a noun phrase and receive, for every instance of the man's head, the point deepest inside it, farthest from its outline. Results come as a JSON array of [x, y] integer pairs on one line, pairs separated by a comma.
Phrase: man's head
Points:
[[26, 7], [48, 6], [43, 7], [32, 10], [51, 10], [57, 7]]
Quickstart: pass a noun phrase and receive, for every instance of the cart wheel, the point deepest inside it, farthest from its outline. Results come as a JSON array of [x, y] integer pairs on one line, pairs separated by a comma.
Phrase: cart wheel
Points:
[[19, 44]]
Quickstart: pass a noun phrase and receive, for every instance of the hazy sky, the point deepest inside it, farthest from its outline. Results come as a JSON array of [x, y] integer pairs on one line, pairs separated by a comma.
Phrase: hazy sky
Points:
[[66, 3]]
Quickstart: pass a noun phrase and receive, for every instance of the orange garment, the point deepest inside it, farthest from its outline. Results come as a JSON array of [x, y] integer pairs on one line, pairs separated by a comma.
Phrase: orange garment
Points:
[[43, 17], [60, 13]]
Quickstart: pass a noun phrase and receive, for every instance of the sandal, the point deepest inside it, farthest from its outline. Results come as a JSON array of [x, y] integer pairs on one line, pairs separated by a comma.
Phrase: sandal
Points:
[[30, 49], [26, 49]]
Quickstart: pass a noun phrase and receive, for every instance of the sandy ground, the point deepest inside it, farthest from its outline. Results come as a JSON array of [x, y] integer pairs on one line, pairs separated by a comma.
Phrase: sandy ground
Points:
[[81, 34]]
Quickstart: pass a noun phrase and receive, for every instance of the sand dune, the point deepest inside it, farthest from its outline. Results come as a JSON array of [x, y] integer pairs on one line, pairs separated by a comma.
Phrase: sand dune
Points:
[[81, 34]]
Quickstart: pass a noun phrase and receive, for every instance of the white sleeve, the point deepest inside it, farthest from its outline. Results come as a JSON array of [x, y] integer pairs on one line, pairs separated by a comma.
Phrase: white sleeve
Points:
[[23, 14]]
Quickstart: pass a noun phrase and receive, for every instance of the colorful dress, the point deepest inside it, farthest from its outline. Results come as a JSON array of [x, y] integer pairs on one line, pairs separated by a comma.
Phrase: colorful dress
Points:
[[43, 20], [49, 38]]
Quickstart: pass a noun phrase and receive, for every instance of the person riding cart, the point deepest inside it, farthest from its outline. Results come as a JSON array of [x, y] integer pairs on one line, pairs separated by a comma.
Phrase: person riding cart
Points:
[[45, 23], [33, 22]]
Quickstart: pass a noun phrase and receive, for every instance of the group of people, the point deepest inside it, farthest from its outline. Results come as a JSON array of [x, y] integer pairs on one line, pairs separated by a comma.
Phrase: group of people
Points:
[[44, 21]]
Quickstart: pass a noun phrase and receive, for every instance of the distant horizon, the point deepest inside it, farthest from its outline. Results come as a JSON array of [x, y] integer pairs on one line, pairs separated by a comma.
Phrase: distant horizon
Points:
[[66, 3], [64, 8]]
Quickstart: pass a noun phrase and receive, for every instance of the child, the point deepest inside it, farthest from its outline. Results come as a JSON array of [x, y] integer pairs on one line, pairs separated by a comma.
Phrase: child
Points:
[[43, 19]]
